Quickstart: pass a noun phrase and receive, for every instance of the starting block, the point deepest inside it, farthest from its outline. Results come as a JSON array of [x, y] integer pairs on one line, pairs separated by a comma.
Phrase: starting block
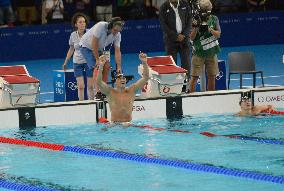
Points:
[[166, 78], [17, 87]]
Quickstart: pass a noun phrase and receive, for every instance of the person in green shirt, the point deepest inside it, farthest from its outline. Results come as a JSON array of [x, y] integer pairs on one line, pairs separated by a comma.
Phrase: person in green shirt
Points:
[[204, 35]]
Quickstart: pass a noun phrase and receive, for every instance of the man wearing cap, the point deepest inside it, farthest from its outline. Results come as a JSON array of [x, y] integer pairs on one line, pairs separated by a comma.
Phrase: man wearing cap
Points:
[[121, 98], [247, 108], [99, 40]]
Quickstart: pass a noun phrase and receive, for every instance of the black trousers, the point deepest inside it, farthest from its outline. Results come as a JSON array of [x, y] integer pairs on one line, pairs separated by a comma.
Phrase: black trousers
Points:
[[184, 51]]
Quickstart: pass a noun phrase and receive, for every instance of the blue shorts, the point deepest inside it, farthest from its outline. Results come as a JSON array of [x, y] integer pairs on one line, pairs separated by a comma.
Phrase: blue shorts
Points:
[[88, 55], [79, 70]]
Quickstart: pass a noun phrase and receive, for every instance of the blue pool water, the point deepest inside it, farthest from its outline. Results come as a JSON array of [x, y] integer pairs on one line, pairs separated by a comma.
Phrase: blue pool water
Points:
[[74, 171]]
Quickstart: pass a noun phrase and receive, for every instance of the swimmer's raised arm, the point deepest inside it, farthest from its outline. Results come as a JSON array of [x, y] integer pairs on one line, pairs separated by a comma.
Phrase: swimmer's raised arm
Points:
[[145, 75], [102, 85]]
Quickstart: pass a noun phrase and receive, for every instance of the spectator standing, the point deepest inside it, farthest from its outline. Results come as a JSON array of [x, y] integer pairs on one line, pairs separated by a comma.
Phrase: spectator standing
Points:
[[151, 10], [79, 22], [69, 9], [43, 12], [103, 9], [124, 7], [27, 13], [175, 20], [227, 6], [6, 14], [142, 9], [56, 10], [157, 4], [38, 6], [205, 34], [256, 5], [77, 6], [139, 10], [83, 6]]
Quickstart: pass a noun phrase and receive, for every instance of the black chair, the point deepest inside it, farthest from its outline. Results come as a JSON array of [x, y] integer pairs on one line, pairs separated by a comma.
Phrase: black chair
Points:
[[242, 63]]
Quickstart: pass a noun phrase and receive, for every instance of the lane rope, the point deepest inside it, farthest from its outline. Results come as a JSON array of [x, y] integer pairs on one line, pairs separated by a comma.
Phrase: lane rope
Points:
[[205, 133], [272, 111], [150, 160], [16, 186], [246, 138], [43, 145]]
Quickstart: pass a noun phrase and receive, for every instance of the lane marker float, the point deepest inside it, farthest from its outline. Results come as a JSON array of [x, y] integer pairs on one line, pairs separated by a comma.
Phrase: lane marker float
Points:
[[149, 160]]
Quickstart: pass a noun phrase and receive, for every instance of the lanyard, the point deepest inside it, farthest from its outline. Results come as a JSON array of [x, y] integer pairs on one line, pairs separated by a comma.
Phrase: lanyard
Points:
[[110, 43]]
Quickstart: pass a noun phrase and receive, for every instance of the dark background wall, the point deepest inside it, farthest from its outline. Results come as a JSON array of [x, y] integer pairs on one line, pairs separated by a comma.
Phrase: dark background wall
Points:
[[51, 41]]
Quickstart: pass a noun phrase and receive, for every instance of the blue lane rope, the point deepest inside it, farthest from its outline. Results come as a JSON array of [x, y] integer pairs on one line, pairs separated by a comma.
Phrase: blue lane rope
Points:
[[143, 159], [178, 164], [245, 138], [16, 186], [261, 140]]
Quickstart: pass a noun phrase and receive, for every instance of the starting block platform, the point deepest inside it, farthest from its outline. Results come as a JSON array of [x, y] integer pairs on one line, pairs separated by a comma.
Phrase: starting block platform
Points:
[[17, 87], [166, 78]]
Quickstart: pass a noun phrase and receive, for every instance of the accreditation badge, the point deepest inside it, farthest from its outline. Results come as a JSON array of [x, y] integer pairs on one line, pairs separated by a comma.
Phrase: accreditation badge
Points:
[[107, 55]]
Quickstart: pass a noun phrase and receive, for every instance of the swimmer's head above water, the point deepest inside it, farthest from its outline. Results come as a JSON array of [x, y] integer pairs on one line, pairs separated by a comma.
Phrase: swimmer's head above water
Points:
[[246, 97], [120, 81]]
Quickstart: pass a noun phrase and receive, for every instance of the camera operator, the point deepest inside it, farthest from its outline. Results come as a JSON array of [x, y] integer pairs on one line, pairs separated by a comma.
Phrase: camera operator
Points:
[[205, 33]]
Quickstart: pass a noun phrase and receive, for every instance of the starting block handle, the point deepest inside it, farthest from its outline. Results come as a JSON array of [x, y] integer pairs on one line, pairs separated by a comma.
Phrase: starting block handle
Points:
[[184, 83]]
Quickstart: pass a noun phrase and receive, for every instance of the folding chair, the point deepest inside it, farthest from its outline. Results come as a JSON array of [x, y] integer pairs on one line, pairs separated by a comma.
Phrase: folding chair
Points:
[[243, 63]]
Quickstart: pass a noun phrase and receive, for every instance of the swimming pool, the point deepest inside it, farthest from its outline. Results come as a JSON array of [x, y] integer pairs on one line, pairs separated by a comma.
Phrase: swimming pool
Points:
[[151, 158]]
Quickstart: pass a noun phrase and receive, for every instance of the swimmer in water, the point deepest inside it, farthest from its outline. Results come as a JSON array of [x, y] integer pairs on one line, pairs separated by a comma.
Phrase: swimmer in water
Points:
[[121, 98], [248, 109]]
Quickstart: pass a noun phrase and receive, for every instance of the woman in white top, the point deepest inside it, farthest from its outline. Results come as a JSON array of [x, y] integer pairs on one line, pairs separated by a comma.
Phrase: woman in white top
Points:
[[79, 21]]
